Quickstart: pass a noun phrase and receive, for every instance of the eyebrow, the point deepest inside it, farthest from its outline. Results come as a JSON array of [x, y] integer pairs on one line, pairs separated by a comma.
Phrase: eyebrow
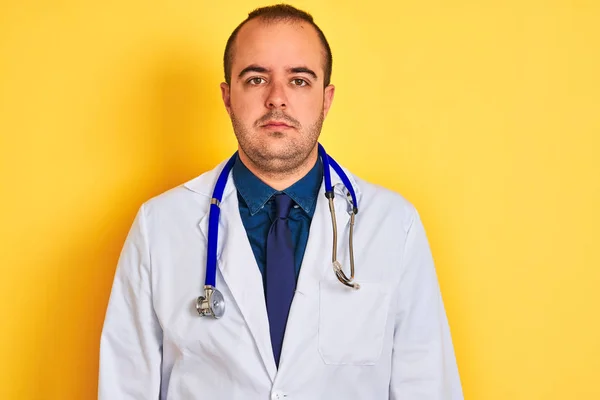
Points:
[[295, 70], [303, 70], [253, 68]]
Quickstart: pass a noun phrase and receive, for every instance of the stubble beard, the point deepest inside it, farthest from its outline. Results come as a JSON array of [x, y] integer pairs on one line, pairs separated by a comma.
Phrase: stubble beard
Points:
[[297, 146]]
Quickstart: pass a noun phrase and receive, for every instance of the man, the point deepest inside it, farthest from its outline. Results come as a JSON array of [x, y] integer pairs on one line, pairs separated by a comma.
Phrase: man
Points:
[[291, 329]]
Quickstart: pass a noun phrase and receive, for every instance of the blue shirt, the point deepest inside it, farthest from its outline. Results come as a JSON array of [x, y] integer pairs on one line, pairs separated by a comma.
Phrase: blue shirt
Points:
[[257, 209]]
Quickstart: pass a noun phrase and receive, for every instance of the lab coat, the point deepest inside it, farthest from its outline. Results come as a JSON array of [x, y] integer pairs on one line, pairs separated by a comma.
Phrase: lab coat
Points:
[[388, 340]]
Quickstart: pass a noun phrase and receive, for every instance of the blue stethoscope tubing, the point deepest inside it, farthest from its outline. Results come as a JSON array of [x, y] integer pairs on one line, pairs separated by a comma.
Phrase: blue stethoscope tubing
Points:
[[204, 303]]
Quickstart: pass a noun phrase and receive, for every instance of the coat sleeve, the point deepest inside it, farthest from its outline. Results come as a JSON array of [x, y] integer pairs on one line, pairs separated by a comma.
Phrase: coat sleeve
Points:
[[423, 362], [130, 345]]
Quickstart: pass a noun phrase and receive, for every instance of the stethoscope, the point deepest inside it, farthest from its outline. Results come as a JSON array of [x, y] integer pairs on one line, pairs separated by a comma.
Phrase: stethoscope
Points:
[[213, 303]]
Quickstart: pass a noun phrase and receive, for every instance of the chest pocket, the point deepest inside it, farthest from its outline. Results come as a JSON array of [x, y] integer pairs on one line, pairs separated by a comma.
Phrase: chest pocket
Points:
[[352, 322]]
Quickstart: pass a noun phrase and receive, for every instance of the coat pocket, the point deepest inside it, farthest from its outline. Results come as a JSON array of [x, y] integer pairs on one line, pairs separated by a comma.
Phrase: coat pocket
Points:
[[352, 322]]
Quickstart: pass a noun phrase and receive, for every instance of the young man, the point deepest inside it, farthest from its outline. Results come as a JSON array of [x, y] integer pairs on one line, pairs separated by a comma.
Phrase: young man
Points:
[[293, 326]]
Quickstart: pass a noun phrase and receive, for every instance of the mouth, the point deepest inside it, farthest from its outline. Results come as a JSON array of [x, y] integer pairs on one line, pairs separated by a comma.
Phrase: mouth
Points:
[[276, 124]]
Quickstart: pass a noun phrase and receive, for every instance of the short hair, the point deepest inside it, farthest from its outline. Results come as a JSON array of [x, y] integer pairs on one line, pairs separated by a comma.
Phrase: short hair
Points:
[[279, 12]]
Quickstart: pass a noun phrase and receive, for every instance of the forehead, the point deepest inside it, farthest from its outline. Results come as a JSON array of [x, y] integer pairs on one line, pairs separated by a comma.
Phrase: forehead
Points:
[[276, 44]]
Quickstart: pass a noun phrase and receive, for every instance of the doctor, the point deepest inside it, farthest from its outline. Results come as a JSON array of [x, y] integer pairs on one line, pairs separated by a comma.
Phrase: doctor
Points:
[[281, 320]]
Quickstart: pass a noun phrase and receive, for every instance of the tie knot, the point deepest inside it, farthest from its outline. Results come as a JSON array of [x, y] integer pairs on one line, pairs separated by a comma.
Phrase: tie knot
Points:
[[284, 203]]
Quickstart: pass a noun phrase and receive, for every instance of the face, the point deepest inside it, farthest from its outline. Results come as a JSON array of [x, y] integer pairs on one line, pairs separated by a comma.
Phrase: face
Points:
[[276, 99]]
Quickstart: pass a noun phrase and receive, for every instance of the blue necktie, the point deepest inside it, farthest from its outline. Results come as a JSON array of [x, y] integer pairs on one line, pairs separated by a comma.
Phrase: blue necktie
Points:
[[281, 276]]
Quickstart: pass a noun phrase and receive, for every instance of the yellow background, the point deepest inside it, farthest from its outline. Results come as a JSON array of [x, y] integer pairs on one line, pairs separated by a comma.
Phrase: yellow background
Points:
[[484, 114]]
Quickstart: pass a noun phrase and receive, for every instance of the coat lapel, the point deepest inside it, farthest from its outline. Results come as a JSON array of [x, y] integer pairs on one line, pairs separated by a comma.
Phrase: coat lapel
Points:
[[316, 265], [317, 257], [240, 272]]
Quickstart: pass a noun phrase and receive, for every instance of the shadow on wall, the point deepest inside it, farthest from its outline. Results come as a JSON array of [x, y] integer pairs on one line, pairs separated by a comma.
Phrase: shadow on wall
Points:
[[171, 113]]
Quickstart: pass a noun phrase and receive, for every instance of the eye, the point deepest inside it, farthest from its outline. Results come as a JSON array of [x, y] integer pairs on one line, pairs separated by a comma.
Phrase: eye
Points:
[[299, 82], [256, 81]]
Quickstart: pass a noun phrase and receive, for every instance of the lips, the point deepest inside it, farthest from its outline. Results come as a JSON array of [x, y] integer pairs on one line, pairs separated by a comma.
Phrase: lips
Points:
[[276, 124]]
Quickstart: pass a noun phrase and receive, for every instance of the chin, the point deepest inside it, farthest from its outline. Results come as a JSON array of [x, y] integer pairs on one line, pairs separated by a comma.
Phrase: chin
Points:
[[279, 150], [274, 153], [277, 142]]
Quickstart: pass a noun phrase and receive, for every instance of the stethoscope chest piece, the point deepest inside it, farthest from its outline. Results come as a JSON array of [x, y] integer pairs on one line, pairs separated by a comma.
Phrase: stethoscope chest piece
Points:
[[211, 304]]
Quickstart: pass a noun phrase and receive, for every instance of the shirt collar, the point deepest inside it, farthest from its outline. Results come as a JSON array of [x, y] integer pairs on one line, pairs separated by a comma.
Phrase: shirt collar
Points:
[[256, 193], [305, 191]]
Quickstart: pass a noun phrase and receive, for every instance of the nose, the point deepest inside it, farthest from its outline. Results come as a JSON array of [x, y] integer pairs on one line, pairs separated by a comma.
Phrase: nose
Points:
[[276, 97]]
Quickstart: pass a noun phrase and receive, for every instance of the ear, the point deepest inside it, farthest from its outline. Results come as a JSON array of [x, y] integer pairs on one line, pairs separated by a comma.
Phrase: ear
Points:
[[226, 95], [328, 98]]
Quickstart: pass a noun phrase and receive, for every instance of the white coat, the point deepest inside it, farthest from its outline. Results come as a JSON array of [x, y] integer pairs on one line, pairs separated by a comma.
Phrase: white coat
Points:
[[388, 340]]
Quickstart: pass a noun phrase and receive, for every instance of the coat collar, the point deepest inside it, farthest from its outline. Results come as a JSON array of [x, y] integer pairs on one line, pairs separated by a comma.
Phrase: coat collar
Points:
[[204, 184]]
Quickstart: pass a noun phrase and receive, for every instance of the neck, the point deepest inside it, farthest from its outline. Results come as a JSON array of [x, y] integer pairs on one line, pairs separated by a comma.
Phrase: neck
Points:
[[281, 180]]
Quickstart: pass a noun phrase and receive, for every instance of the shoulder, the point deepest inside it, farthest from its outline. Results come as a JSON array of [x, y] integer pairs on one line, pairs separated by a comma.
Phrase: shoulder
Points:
[[379, 202], [191, 197]]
